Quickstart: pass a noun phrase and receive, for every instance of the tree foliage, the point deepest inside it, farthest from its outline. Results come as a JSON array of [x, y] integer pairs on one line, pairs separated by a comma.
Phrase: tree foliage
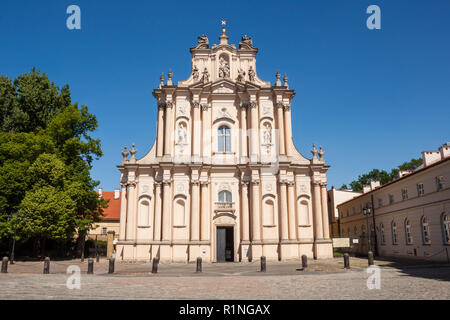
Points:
[[46, 153], [382, 175]]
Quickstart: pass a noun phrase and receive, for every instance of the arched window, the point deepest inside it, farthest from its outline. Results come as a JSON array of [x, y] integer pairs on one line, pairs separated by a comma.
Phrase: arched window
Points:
[[408, 235], [383, 239], [394, 232], [224, 139], [445, 221], [425, 230], [225, 196]]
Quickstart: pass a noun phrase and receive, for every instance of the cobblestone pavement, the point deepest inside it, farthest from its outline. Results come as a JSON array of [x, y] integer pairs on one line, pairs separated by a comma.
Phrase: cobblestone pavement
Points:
[[324, 279]]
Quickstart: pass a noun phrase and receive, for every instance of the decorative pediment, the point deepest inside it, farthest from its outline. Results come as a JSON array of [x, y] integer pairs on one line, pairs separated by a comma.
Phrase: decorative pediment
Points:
[[223, 86]]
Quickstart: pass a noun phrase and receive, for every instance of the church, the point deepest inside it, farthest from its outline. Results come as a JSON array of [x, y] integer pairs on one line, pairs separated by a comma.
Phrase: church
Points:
[[223, 180]]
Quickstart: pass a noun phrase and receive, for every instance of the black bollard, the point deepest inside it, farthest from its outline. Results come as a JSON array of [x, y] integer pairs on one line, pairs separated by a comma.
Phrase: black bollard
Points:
[[199, 264], [5, 265], [304, 261], [263, 264], [90, 266], [111, 265], [346, 261], [97, 257], [155, 265], [47, 265], [370, 258]]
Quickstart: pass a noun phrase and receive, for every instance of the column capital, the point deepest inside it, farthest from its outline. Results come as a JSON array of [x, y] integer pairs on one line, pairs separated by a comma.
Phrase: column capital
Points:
[[316, 183], [244, 183], [244, 104], [195, 182], [123, 184], [280, 105], [287, 107], [161, 105], [158, 183], [252, 104], [205, 106], [166, 182], [132, 184], [323, 184], [169, 104], [255, 182], [204, 183], [195, 104]]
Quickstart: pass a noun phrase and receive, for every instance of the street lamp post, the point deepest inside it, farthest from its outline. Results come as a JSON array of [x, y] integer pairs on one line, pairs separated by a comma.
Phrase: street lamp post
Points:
[[367, 211]]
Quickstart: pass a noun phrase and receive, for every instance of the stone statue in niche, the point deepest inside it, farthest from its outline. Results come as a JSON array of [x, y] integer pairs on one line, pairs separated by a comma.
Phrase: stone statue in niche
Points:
[[181, 134], [224, 68], [205, 75], [267, 134], [195, 73], [241, 75], [251, 74]]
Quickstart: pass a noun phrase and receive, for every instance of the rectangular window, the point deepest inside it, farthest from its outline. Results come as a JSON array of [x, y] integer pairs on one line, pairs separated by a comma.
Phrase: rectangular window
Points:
[[348, 213], [391, 199], [380, 202], [104, 230], [420, 190], [404, 193]]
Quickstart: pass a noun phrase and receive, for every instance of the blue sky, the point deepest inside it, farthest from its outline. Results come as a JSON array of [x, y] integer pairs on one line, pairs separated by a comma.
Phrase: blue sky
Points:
[[371, 98]]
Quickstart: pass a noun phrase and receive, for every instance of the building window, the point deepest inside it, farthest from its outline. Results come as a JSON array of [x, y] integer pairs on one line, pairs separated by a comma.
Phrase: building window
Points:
[[391, 199], [225, 196], [348, 231], [348, 213], [439, 183], [104, 230], [420, 190], [394, 232], [425, 230], [404, 193], [383, 239], [355, 232], [224, 139], [445, 221], [353, 210], [380, 202], [408, 235], [363, 231]]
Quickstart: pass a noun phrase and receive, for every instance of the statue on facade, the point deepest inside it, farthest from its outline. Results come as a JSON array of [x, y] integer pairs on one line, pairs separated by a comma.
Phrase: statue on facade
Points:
[[224, 68], [205, 75], [267, 135], [181, 134], [246, 43], [241, 75], [202, 42], [195, 73], [251, 74]]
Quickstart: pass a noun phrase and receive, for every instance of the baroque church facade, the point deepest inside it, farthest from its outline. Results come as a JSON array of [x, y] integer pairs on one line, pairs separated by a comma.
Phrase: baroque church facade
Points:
[[223, 180]]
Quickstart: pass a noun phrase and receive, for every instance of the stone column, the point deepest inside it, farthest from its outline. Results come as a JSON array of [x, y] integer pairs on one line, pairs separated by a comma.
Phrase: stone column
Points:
[[206, 135], [166, 220], [325, 222], [195, 211], [160, 132], [168, 136], [244, 130], [131, 220], [291, 206], [123, 211], [205, 214], [318, 229], [158, 213], [288, 128], [283, 211], [281, 127], [245, 218], [254, 137], [256, 225], [196, 142]]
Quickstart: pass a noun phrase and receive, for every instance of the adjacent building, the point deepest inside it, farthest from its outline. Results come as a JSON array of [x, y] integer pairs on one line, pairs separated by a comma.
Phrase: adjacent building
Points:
[[223, 180], [111, 216], [409, 217], [336, 197]]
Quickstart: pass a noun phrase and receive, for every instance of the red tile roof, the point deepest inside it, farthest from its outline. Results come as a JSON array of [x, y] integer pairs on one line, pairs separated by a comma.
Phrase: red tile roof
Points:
[[113, 210]]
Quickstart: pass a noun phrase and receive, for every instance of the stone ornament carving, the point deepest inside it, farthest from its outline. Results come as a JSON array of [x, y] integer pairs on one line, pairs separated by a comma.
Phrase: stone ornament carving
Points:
[[303, 188], [280, 105], [321, 153], [224, 68], [161, 104], [314, 151], [169, 104], [251, 74], [202, 42], [225, 186], [287, 107], [267, 110], [278, 81], [268, 187], [267, 138], [253, 104], [241, 76], [223, 113], [181, 189], [181, 110], [124, 154], [196, 104], [133, 153], [145, 189], [195, 73], [205, 106]]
